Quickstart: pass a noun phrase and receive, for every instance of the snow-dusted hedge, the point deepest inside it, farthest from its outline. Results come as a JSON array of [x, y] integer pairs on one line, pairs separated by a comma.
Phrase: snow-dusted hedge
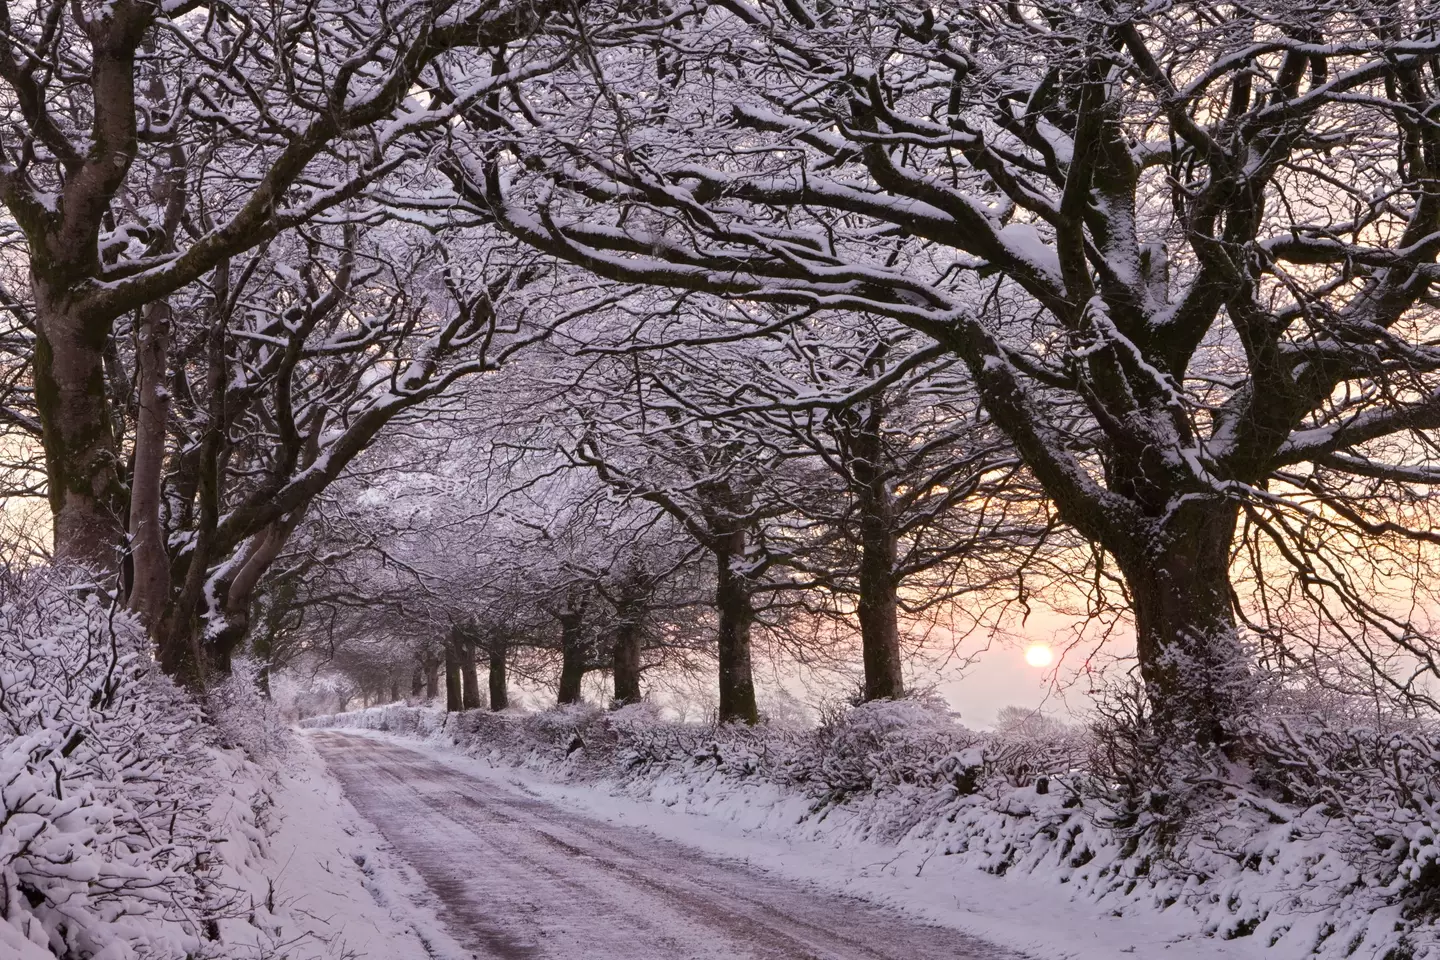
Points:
[[1323, 844], [103, 837], [127, 832]]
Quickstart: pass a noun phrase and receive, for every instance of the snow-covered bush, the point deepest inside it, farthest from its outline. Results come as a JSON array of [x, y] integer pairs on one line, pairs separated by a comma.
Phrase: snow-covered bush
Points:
[[1364, 793], [242, 716], [127, 831], [103, 846], [1032, 745], [882, 744]]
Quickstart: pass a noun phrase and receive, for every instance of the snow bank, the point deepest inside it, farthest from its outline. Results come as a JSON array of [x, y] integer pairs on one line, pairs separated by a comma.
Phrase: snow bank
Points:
[[130, 829], [1330, 853]]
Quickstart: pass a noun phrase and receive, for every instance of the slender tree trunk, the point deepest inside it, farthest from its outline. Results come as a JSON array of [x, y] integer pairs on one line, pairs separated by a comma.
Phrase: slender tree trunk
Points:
[[878, 611], [471, 693], [150, 561], [432, 678], [572, 655], [394, 690], [417, 682], [149, 554], [625, 659], [178, 640], [735, 612], [454, 699], [1195, 672], [262, 648], [499, 689]]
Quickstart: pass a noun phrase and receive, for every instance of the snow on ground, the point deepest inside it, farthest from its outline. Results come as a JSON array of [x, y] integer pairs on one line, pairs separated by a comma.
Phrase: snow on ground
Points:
[[525, 878], [764, 828], [133, 829], [1009, 835], [337, 881]]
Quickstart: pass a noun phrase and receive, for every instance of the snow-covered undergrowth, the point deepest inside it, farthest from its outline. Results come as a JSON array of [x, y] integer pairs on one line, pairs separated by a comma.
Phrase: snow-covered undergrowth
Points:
[[1330, 853], [129, 827]]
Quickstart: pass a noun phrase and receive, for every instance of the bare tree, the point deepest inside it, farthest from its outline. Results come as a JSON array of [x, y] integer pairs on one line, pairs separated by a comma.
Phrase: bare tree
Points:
[[905, 499], [1185, 251], [147, 145], [710, 479]]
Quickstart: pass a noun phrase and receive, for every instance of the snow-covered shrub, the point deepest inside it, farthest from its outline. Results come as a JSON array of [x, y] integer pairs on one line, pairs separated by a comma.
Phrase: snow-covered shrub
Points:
[[647, 742], [559, 727], [242, 716], [881, 744], [1032, 746], [1318, 827], [1369, 791], [127, 830], [103, 846]]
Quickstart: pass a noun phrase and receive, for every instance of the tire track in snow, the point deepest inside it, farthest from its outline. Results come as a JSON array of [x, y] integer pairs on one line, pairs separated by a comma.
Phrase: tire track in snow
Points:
[[523, 879]]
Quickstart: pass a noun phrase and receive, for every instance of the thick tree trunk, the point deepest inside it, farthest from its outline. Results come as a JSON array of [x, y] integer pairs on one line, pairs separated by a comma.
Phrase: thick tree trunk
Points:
[[633, 595], [499, 689], [87, 492], [1195, 672], [625, 660], [735, 613], [81, 456], [572, 655], [150, 561], [394, 691], [470, 697], [878, 613], [454, 700]]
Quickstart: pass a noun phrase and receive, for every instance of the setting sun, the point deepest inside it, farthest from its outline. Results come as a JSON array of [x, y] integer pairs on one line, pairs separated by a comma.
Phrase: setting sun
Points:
[[1038, 655]]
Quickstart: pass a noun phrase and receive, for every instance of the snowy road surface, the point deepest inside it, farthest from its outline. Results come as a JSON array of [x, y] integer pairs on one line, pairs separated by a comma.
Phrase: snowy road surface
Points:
[[521, 878]]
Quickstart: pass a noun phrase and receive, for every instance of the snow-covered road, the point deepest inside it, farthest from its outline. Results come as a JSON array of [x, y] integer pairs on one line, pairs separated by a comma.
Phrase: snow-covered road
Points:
[[519, 877]]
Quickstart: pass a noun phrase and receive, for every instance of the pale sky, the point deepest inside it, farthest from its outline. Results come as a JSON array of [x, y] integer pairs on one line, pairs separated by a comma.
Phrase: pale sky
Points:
[[1001, 677]]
